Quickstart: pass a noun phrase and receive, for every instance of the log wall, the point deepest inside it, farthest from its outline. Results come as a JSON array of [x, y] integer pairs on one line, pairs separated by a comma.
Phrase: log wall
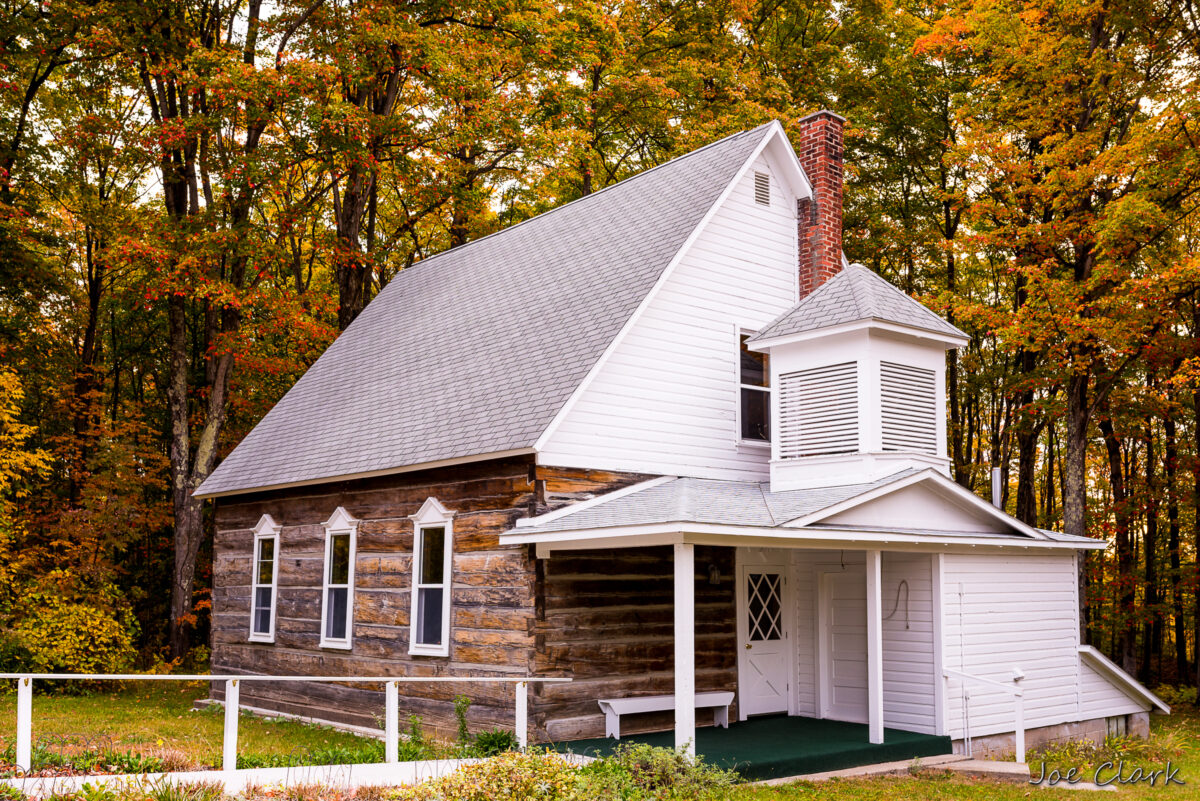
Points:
[[494, 602], [606, 619]]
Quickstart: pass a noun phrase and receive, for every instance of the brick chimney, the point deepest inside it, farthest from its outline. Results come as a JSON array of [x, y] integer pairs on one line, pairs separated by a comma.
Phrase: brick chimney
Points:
[[820, 217]]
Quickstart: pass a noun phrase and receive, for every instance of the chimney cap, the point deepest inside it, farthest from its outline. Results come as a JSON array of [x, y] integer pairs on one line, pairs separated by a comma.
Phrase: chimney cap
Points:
[[823, 113]]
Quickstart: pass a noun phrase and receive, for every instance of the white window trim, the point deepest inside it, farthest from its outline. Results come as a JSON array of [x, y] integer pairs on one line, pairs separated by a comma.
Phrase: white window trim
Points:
[[764, 444], [266, 529], [339, 523], [431, 515]]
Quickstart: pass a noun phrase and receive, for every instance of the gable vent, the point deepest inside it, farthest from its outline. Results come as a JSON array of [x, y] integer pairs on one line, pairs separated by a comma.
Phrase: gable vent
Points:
[[908, 398], [762, 188], [818, 411]]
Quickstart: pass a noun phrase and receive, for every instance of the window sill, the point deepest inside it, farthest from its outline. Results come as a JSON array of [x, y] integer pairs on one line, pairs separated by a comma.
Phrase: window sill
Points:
[[341, 645], [262, 638], [754, 444], [428, 650]]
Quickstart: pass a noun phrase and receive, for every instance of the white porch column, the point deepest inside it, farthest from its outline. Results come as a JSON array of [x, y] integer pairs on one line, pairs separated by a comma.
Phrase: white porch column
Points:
[[685, 647], [874, 647]]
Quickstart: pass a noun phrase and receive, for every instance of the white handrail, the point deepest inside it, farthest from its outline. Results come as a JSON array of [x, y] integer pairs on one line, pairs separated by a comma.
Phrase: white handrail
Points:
[[1014, 689], [391, 739]]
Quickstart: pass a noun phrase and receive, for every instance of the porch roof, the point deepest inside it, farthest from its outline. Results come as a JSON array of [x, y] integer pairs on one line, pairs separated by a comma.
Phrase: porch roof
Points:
[[669, 508]]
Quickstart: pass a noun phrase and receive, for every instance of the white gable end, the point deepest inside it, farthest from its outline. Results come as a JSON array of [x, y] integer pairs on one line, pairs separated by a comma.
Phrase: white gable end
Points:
[[666, 400], [916, 507]]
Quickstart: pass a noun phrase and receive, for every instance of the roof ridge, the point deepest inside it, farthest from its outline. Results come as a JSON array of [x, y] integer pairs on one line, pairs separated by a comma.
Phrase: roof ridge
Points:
[[681, 157]]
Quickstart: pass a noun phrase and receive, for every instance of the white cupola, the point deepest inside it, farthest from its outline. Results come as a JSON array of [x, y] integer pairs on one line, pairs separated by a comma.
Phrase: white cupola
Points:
[[859, 369]]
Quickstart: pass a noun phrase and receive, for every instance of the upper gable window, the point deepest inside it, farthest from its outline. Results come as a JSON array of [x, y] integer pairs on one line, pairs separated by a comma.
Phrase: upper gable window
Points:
[[762, 188], [337, 603], [433, 543], [264, 580], [754, 380]]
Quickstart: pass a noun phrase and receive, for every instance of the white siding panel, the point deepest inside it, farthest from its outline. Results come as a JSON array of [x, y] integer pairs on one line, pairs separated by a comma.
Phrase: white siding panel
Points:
[[1002, 612], [908, 666], [666, 401], [1099, 698]]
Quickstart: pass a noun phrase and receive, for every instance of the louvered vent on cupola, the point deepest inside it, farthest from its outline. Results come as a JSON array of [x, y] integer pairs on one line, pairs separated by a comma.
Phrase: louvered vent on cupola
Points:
[[818, 411], [762, 188], [908, 401]]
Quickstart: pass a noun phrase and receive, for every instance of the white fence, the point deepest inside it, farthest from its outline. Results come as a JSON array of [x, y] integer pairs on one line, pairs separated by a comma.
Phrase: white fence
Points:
[[24, 745]]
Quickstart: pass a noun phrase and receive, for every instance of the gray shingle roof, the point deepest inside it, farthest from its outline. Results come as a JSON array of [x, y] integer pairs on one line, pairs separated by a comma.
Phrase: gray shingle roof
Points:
[[701, 500], [852, 295], [475, 350]]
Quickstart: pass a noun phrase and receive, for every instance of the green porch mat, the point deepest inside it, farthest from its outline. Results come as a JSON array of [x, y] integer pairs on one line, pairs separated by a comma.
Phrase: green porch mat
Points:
[[775, 747]]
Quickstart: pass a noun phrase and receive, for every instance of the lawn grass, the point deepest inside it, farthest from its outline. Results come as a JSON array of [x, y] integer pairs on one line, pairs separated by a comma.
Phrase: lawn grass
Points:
[[156, 719]]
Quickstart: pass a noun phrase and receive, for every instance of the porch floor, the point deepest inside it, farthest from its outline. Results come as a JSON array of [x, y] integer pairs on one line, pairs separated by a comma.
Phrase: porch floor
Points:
[[778, 746]]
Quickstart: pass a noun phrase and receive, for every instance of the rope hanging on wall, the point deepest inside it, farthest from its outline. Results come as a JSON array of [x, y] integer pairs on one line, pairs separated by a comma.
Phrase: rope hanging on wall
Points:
[[903, 585]]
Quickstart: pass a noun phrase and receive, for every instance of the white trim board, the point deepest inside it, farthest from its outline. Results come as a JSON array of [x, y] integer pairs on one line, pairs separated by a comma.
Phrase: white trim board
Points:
[[766, 537]]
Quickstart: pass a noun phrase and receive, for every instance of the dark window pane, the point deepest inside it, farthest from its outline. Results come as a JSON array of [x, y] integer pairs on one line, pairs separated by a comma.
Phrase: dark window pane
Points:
[[339, 559], [266, 560], [433, 549], [335, 614], [429, 616], [755, 415], [754, 366], [262, 610]]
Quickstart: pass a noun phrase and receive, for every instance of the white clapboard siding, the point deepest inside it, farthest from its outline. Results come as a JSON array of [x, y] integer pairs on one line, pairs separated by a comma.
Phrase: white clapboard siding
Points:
[[667, 399], [809, 565], [1100, 698], [1013, 611], [818, 411], [908, 405], [909, 691]]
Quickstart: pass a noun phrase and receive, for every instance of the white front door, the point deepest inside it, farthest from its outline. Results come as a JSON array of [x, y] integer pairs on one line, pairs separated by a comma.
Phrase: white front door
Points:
[[763, 659], [844, 645]]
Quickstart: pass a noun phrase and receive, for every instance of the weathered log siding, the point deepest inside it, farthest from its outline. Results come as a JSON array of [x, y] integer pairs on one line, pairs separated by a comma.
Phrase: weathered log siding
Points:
[[493, 604], [606, 619]]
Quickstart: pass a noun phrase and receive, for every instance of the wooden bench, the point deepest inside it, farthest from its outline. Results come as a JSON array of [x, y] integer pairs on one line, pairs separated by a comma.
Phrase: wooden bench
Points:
[[615, 707]]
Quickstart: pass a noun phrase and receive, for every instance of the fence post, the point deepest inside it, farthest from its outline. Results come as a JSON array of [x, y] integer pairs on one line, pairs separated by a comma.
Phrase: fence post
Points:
[[25, 724], [523, 714], [391, 723], [229, 744], [1020, 730]]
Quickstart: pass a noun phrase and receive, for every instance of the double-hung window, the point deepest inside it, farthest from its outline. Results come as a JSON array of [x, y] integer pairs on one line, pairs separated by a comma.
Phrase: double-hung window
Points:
[[754, 385], [264, 580], [337, 602], [433, 541]]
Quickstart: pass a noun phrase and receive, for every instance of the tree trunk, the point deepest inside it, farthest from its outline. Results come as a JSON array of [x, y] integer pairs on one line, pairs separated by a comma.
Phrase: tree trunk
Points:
[[1180, 624], [1152, 634], [1123, 512], [1074, 465]]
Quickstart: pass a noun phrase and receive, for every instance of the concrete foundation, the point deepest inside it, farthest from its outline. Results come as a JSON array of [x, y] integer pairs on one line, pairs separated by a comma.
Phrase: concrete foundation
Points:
[[997, 746]]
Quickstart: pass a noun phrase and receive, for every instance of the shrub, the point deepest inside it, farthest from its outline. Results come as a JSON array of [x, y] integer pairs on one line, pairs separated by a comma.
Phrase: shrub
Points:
[[531, 776], [1176, 696], [637, 771], [461, 704], [79, 631], [496, 741]]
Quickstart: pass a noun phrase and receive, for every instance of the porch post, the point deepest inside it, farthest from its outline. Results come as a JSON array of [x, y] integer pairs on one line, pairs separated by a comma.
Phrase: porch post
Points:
[[874, 647], [685, 647]]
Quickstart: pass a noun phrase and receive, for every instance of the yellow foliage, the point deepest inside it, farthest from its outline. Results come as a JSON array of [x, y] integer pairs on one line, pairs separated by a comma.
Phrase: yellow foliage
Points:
[[57, 634], [16, 460]]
